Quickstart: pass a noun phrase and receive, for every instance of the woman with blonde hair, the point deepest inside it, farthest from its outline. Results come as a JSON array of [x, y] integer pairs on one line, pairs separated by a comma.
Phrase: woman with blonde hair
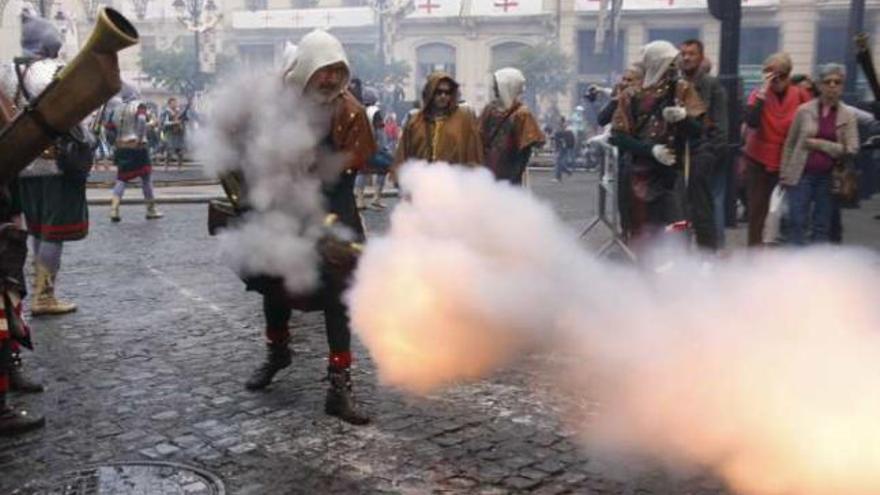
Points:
[[770, 113]]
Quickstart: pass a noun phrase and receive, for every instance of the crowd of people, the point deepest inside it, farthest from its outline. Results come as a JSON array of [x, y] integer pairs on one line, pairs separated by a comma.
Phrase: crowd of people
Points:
[[667, 117]]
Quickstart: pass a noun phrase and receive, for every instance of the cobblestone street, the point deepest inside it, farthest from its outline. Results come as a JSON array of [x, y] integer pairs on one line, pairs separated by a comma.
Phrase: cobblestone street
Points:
[[152, 367]]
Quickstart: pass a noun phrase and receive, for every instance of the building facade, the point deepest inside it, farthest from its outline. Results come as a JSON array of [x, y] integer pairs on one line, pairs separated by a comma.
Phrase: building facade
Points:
[[470, 38]]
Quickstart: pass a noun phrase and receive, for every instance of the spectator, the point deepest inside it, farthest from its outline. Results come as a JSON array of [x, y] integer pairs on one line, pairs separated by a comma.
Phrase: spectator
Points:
[[564, 141], [824, 134], [707, 183], [770, 112]]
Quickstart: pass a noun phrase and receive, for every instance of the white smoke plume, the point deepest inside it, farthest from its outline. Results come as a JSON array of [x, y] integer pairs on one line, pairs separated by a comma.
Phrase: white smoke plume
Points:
[[764, 367], [271, 135]]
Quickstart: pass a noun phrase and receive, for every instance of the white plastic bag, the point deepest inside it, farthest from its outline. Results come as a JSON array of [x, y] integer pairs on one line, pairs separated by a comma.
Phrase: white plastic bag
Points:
[[775, 213]]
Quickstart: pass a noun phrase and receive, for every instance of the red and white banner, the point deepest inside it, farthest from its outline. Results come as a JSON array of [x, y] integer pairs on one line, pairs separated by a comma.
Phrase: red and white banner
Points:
[[437, 8], [505, 7], [593, 5], [303, 18]]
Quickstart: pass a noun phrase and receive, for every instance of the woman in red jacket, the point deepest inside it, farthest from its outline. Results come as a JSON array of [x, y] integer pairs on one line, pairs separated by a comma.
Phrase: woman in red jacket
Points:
[[771, 109]]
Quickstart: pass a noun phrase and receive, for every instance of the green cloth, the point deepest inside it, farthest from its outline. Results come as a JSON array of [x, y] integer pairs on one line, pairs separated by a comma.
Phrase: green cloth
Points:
[[55, 207]]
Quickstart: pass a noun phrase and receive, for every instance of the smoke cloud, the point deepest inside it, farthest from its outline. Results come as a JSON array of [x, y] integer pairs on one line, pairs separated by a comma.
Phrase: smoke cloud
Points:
[[764, 368], [271, 134]]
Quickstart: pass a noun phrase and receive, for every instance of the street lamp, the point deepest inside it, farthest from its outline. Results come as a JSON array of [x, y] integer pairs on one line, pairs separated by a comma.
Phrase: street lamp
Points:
[[197, 16]]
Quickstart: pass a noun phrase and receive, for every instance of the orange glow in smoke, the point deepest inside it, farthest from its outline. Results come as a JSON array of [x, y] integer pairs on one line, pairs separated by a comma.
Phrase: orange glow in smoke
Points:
[[765, 368]]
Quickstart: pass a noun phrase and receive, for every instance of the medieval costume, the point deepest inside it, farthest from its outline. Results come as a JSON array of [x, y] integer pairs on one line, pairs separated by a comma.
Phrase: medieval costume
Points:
[[14, 331], [449, 135], [657, 126], [508, 129], [54, 201], [349, 133], [172, 122], [132, 155]]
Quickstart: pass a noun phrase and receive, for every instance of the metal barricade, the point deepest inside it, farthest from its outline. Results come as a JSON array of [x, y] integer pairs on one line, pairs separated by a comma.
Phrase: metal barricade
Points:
[[607, 213]]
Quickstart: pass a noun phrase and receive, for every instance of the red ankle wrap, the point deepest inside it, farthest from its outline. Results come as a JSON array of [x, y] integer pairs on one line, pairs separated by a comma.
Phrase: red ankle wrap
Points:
[[4, 383], [340, 360]]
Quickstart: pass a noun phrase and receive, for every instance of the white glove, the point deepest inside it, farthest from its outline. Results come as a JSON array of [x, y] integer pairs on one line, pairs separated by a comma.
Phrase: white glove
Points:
[[674, 114], [663, 154]]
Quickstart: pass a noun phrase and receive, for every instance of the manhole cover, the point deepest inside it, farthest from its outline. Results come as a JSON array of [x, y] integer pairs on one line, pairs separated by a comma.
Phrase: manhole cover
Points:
[[133, 478]]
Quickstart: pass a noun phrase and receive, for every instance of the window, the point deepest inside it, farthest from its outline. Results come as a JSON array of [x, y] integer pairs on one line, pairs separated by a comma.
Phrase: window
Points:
[[757, 43], [831, 44], [590, 62], [434, 57], [506, 54], [675, 36]]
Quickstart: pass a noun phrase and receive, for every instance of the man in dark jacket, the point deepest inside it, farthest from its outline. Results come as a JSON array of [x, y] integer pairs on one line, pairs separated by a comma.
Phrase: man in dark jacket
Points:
[[707, 182]]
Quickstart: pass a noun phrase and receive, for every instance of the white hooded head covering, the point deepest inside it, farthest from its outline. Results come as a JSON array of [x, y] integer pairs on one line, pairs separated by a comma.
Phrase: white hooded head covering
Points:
[[288, 56], [510, 83], [316, 50], [657, 56]]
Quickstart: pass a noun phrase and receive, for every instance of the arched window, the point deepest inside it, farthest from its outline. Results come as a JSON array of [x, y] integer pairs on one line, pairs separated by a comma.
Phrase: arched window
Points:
[[507, 54], [433, 57]]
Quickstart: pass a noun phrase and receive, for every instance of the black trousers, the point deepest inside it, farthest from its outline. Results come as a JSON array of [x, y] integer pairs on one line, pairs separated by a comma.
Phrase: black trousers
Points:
[[339, 197], [700, 203], [277, 312]]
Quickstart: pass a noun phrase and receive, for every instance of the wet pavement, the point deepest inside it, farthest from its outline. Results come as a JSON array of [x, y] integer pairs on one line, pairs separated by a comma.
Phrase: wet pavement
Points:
[[151, 368]]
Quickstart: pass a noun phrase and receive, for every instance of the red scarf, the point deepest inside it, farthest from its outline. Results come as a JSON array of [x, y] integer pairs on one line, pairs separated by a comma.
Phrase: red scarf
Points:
[[764, 144]]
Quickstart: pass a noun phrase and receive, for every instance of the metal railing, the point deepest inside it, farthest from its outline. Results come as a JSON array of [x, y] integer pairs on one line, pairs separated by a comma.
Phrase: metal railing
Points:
[[607, 213]]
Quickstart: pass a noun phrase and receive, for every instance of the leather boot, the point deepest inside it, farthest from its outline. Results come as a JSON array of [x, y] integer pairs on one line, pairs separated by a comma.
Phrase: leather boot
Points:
[[152, 212], [14, 421], [18, 381], [44, 302], [114, 208], [277, 358], [340, 399]]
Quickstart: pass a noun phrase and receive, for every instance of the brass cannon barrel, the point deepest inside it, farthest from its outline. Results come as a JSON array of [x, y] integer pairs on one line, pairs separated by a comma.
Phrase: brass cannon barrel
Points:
[[84, 84]]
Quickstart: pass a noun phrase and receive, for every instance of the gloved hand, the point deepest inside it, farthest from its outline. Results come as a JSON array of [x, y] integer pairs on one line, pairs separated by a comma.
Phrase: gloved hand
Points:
[[674, 114], [663, 154]]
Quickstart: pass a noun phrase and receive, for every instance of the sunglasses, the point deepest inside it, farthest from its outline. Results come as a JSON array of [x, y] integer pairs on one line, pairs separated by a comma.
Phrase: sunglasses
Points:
[[445, 92], [832, 82]]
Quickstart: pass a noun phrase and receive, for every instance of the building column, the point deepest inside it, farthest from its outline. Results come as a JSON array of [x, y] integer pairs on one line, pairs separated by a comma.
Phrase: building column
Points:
[[798, 32], [711, 36], [10, 29], [568, 45], [636, 37]]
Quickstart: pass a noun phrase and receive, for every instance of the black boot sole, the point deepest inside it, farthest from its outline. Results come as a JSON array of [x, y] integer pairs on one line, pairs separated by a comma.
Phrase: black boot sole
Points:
[[350, 418], [17, 428]]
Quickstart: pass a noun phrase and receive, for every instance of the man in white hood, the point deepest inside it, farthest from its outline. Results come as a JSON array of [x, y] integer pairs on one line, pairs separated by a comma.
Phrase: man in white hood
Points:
[[509, 130], [320, 71], [656, 127]]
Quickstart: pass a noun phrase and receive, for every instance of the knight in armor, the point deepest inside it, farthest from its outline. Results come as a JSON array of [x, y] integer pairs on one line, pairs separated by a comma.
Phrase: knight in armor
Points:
[[657, 127], [320, 71], [509, 130], [132, 154], [53, 200]]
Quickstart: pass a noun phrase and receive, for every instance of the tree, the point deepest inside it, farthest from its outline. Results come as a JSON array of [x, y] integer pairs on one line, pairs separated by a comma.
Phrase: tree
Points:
[[366, 66], [176, 69], [548, 71]]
